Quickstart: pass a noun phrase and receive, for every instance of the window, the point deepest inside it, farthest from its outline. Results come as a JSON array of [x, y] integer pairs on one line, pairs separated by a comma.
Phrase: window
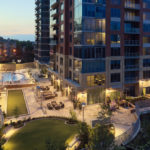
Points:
[[147, 90], [115, 51], [100, 25], [115, 64], [115, 77], [131, 76], [115, 2], [61, 38], [61, 50], [89, 66], [95, 80], [70, 75], [115, 39], [146, 74], [70, 38], [146, 51], [100, 12], [99, 52], [146, 3], [146, 62], [62, 17], [115, 12], [70, 63], [62, 6], [146, 16], [91, 38], [62, 28], [70, 51], [115, 25], [61, 71], [76, 77], [146, 27], [77, 38], [61, 61], [70, 14], [70, 26], [70, 2], [89, 10], [146, 39]]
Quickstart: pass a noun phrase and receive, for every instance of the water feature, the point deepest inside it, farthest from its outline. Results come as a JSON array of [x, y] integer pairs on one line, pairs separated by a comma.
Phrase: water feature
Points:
[[11, 77]]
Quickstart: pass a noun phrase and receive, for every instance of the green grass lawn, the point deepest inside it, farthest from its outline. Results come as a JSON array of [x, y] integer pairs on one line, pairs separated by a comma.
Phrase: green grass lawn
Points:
[[16, 103], [36, 134]]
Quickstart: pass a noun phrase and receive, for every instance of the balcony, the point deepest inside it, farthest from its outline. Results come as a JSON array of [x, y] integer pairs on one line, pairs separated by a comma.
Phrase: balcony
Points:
[[55, 16], [131, 80], [37, 2], [132, 67], [55, 5], [132, 30], [37, 7], [132, 18], [132, 42], [131, 5], [131, 55]]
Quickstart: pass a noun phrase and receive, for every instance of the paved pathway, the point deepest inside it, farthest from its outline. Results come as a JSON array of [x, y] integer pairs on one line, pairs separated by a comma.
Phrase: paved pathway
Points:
[[122, 120]]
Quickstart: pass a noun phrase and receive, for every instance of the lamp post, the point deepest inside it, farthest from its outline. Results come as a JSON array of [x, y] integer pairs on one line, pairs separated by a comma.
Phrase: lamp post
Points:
[[41, 97], [83, 107]]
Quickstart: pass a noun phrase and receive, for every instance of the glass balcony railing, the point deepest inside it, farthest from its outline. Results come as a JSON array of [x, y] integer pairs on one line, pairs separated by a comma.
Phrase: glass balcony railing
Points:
[[132, 67], [132, 30], [132, 5], [131, 79], [131, 54], [132, 42], [132, 18]]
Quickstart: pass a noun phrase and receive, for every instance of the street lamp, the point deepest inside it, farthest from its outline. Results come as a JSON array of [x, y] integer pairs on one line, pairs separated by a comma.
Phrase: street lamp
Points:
[[41, 95], [83, 107]]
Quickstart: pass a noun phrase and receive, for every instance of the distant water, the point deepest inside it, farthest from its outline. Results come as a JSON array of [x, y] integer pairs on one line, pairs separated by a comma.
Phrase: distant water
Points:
[[21, 37]]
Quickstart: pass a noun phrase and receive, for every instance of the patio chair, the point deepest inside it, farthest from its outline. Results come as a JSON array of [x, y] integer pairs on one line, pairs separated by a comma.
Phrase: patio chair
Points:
[[57, 107], [49, 106], [62, 105]]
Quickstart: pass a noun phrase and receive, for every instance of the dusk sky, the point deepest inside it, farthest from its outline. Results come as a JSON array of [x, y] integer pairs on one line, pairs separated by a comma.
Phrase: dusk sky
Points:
[[17, 17]]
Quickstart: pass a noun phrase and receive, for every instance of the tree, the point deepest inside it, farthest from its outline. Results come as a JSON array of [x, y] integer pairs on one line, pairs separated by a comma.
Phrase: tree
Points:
[[98, 138], [84, 131], [104, 114], [101, 138]]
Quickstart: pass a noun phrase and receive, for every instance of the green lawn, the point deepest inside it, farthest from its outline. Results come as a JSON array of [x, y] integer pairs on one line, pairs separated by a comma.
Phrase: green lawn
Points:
[[15, 103], [36, 134]]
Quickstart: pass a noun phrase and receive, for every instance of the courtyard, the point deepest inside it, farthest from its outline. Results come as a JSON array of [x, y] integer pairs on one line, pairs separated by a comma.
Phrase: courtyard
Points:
[[26, 99], [39, 134]]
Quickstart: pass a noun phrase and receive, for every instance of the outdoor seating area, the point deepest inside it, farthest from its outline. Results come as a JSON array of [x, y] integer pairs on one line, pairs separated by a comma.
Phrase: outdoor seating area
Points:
[[56, 106], [45, 92], [115, 104]]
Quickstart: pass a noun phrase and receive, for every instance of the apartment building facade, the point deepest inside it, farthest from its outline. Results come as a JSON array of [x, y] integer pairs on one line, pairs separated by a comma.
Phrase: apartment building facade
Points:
[[42, 47], [100, 46]]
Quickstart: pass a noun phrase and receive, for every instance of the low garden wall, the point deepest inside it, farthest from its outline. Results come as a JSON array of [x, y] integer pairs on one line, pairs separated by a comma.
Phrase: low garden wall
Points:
[[14, 66]]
